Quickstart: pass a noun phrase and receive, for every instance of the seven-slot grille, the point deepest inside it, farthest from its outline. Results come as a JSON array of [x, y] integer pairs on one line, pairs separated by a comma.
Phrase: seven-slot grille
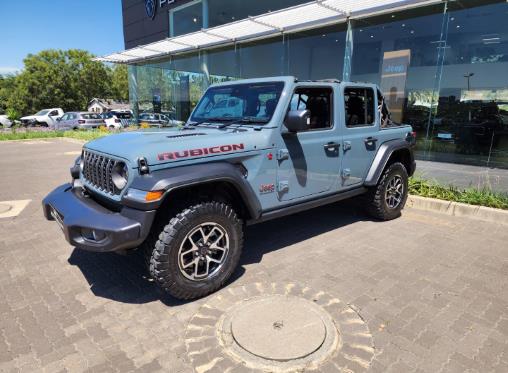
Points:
[[97, 171]]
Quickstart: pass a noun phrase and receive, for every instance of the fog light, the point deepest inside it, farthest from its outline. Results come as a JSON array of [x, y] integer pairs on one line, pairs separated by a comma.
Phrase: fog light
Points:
[[93, 234]]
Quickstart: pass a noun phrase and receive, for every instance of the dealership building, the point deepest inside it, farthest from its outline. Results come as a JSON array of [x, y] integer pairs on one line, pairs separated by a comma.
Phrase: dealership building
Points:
[[441, 65]]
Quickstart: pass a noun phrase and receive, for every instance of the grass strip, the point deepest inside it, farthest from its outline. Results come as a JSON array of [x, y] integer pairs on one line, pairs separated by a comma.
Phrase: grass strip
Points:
[[479, 197], [29, 135]]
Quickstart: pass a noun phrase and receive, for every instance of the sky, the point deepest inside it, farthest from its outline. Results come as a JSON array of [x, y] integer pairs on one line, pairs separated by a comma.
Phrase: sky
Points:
[[29, 26]]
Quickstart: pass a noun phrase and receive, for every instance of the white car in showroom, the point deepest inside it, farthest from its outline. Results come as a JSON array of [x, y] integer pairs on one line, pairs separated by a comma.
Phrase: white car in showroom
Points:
[[45, 117]]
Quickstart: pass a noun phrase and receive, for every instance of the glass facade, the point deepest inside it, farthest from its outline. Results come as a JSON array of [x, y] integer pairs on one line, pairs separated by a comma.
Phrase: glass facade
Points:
[[443, 69]]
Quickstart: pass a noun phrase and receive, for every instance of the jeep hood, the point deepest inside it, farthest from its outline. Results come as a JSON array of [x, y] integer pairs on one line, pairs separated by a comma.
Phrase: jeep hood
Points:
[[176, 145]]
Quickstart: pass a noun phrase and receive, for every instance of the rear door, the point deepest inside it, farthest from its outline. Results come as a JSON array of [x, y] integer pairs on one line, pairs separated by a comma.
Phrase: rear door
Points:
[[309, 162], [61, 123], [360, 139]]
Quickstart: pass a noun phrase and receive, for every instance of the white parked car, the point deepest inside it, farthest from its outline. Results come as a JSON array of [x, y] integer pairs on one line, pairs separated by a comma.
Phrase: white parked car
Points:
[[117, 119], [45, 117], [5, 122]]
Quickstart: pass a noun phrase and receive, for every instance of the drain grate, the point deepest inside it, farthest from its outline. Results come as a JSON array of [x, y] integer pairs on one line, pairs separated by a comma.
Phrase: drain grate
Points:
[[278, 328]]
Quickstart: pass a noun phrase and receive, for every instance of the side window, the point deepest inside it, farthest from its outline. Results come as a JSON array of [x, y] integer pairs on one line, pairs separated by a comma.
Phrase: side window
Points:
[[53, 113], [359, 106], [384, 114], [65, 117], [318, 101]]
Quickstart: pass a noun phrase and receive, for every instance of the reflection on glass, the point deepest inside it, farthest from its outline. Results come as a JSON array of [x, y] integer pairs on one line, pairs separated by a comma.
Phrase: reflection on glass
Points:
[[317, 54], [261, 59], [254, 102], [186, 19], [444, 67], [225, 11], [471, 124]]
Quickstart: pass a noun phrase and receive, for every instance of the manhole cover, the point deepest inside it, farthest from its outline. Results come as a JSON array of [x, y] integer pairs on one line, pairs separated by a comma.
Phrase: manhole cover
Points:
[[280, 328], [4, 208], [277, 328]]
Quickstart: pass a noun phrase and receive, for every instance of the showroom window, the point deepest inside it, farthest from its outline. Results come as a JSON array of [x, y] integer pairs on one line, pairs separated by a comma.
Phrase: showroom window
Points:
[[186, 18], [317, 54], [262, 58], [226, 11]]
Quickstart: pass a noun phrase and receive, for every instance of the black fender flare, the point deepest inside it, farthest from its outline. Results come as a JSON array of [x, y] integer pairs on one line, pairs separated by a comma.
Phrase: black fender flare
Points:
[[175, 178], [383, 154]]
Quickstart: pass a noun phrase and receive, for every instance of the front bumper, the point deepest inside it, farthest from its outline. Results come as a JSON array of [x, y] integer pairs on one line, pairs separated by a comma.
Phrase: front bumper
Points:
[[79, 216]]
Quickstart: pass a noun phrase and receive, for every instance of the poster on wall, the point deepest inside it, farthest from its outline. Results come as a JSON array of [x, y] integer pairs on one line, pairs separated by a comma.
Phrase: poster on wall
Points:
[[393, 80]]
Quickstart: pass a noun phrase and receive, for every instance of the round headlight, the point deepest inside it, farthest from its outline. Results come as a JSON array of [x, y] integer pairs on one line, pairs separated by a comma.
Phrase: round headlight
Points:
[[120, 175]]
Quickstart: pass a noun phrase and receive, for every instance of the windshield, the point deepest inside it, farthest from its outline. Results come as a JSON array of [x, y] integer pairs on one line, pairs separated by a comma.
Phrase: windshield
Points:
[[90, 116], [256, 101], [147, 116], [122, 115], [42, 112]]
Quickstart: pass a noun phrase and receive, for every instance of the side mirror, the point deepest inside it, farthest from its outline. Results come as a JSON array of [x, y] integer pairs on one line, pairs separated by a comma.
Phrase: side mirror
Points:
[[297, 120]]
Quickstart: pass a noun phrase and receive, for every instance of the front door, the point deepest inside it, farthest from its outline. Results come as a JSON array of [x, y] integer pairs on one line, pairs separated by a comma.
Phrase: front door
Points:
[[309, 161], [360, 133]]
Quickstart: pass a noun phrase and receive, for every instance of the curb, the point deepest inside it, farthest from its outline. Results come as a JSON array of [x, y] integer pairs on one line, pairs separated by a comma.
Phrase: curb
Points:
[[458, 209]]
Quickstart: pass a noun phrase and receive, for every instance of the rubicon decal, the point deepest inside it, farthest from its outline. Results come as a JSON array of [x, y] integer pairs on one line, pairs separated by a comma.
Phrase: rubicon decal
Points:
[[199, 152]]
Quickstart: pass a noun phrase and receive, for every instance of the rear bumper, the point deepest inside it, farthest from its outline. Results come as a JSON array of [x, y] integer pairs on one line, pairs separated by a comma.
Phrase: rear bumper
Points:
[[90, 226]]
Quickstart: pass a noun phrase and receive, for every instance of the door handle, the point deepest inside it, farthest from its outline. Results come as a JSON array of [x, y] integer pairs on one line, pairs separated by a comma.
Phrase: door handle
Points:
[[331, 146], [370, 139]]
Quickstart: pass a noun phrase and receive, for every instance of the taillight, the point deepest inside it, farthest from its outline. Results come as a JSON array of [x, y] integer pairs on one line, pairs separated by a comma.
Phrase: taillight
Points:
[[411, 137], [81, 121]]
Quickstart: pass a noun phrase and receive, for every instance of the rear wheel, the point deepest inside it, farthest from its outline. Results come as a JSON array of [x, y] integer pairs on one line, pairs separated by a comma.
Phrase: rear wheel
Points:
[[388, 197], [198, 250]]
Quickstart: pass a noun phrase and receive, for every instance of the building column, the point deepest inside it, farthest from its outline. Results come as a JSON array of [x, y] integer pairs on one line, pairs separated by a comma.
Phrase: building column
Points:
[[132, 71]]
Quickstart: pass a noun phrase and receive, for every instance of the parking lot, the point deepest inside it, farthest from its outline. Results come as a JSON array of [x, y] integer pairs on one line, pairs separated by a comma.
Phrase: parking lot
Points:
[[430, 289]]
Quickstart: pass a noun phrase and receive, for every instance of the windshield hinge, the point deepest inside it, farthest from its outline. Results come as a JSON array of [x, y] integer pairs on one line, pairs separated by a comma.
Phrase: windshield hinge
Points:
[[143, 166]]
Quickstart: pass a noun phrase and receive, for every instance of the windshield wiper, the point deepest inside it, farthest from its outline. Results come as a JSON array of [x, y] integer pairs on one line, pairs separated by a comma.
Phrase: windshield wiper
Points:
[[211, 120], [246, 120]]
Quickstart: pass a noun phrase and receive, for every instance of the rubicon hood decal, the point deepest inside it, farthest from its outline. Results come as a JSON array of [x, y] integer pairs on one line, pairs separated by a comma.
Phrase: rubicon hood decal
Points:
[[200, 152]]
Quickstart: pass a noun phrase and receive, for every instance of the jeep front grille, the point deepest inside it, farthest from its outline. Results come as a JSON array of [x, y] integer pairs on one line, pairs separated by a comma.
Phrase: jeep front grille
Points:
[[97, 170]]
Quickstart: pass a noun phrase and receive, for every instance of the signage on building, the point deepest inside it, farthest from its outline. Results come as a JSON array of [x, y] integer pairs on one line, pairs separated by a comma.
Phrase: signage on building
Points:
[[151, 6], [393, 80]]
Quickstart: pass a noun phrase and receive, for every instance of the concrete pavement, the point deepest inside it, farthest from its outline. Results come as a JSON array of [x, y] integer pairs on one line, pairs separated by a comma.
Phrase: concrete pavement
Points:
[[432, 290]]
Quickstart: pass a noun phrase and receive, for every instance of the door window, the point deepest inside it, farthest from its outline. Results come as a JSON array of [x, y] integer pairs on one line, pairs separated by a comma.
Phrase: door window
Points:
[[318, 101], [53, 113], [359, 106]]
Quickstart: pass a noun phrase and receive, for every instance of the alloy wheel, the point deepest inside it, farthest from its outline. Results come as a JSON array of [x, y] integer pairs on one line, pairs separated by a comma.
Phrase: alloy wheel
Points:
[[203, 251], [394, 192]]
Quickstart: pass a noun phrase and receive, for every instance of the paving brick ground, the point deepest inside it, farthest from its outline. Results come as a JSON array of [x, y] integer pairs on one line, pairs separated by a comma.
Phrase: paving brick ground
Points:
[[432, 289]]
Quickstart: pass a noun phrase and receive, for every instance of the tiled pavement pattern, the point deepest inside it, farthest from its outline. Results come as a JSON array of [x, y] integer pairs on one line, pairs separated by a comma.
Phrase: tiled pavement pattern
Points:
[[432, 289]]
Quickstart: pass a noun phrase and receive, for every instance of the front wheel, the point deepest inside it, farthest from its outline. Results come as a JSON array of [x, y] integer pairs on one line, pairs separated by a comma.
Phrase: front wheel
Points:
[[388, 197], [198, 250]]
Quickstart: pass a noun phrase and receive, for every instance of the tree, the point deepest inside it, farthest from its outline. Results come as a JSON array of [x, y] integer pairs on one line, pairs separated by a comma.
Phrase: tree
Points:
[[120, 83], [67, 79], [7, 86]]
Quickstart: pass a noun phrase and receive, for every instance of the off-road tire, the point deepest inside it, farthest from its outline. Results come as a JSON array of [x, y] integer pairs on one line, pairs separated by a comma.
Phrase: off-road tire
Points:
[[377, 206], [164, 267]]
